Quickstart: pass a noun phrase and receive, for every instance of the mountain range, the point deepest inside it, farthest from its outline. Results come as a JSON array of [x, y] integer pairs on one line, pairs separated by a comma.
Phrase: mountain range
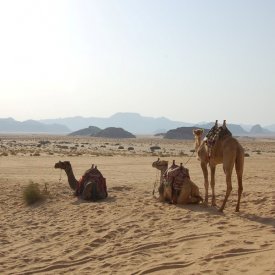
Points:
[[10, 125], [132, 122]]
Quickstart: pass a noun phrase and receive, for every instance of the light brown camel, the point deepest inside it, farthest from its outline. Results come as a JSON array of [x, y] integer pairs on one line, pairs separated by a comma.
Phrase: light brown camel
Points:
[[91, 186], [219, 147], [175, 184]]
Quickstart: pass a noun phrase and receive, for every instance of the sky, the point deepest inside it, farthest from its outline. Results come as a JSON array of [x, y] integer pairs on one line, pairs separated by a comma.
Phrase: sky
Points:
[[190, 61]]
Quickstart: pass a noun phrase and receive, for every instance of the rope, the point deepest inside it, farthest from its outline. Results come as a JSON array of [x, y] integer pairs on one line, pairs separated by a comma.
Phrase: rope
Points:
[[189, 158], [60, 178], [156, 181]]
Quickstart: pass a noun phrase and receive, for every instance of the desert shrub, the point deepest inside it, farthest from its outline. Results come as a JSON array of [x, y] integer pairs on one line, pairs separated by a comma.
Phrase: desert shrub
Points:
[[153, 148], [32, 193], [120, 147], [182, 154], [246, 155], [44, 142], [131, 148], [164, 155], [192, 150]]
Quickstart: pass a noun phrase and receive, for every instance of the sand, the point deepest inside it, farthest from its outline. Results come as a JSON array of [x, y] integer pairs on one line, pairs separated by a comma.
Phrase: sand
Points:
[[131, 232]]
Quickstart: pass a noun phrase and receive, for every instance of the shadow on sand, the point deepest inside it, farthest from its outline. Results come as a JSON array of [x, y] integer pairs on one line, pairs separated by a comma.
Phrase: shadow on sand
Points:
[[109, 199], [258, 219]]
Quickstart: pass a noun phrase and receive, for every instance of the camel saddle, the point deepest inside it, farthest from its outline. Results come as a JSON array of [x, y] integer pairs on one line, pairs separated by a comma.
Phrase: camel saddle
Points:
[[214, 134], [175, 176], [94, 180]]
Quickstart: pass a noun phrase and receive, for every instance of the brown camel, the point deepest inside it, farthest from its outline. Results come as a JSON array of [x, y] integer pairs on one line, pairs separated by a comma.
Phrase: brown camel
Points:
[[91, 186], [219, 147], [175, 184]]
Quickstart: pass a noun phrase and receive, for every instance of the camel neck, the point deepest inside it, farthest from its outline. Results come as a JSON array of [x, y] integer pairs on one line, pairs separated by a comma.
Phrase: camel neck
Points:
[[197, 143], [162, 171], [71, 178]]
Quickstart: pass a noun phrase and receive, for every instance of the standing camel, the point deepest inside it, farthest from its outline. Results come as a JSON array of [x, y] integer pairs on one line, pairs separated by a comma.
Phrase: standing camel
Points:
[[219, 147]]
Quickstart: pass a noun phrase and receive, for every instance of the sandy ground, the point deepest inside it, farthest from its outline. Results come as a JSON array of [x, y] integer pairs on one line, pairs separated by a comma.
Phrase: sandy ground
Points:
[[130, 232]]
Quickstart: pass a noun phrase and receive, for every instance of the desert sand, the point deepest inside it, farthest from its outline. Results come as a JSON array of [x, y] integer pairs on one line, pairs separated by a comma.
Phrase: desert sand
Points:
[[131, 232]]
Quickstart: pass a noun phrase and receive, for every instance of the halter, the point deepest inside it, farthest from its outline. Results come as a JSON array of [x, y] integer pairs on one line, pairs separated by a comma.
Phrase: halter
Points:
[[60, 178]]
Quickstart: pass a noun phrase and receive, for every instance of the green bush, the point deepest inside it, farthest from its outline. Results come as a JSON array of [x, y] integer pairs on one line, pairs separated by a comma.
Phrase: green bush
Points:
[[32, 193]]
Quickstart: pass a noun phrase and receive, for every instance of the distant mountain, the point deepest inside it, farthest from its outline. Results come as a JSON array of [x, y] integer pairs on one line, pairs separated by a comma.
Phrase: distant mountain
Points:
[[132, 122], [90, 131], [114, 132], [10, 125], [270, 127], [235, 129], [181, 133], [259, 130]]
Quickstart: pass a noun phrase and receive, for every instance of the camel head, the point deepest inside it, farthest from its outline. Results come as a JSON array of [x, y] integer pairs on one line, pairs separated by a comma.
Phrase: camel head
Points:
[[198, 132], [64, 165], [160, 164], [198, 137]]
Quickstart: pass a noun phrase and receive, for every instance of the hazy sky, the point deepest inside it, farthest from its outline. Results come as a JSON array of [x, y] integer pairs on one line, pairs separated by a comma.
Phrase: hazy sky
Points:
[[190, 60]]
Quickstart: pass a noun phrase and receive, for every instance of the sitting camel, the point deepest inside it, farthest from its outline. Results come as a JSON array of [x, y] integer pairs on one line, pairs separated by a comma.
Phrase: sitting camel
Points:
[[91, 186], [220, 147], [175, 184]]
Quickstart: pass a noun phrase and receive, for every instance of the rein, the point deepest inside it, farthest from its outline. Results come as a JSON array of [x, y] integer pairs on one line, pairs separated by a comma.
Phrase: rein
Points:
[[156, 181], [189, 159], [60, 178]]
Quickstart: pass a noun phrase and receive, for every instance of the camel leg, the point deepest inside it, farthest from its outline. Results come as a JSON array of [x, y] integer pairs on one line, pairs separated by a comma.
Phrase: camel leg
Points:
[[240, 190], [161, 193], [195, 193], [239, 171], [228, 173], [206, 183], [87, 192], [212, 183], [185, 194]]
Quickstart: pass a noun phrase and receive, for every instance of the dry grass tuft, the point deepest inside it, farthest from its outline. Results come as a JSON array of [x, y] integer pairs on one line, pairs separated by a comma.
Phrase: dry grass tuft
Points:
[[32, 193]]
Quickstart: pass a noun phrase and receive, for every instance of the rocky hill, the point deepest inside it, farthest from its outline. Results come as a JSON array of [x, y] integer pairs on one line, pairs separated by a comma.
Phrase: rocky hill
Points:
[[113, 132], [182, 133], [90, 131]]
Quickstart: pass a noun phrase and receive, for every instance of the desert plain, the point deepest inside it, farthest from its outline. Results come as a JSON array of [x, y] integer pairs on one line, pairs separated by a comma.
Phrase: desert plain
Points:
[[131, 232]]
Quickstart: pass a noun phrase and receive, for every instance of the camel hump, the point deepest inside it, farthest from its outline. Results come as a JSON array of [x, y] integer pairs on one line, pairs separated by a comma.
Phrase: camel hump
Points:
[[94, 182], [216, 133], [176, 171]]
